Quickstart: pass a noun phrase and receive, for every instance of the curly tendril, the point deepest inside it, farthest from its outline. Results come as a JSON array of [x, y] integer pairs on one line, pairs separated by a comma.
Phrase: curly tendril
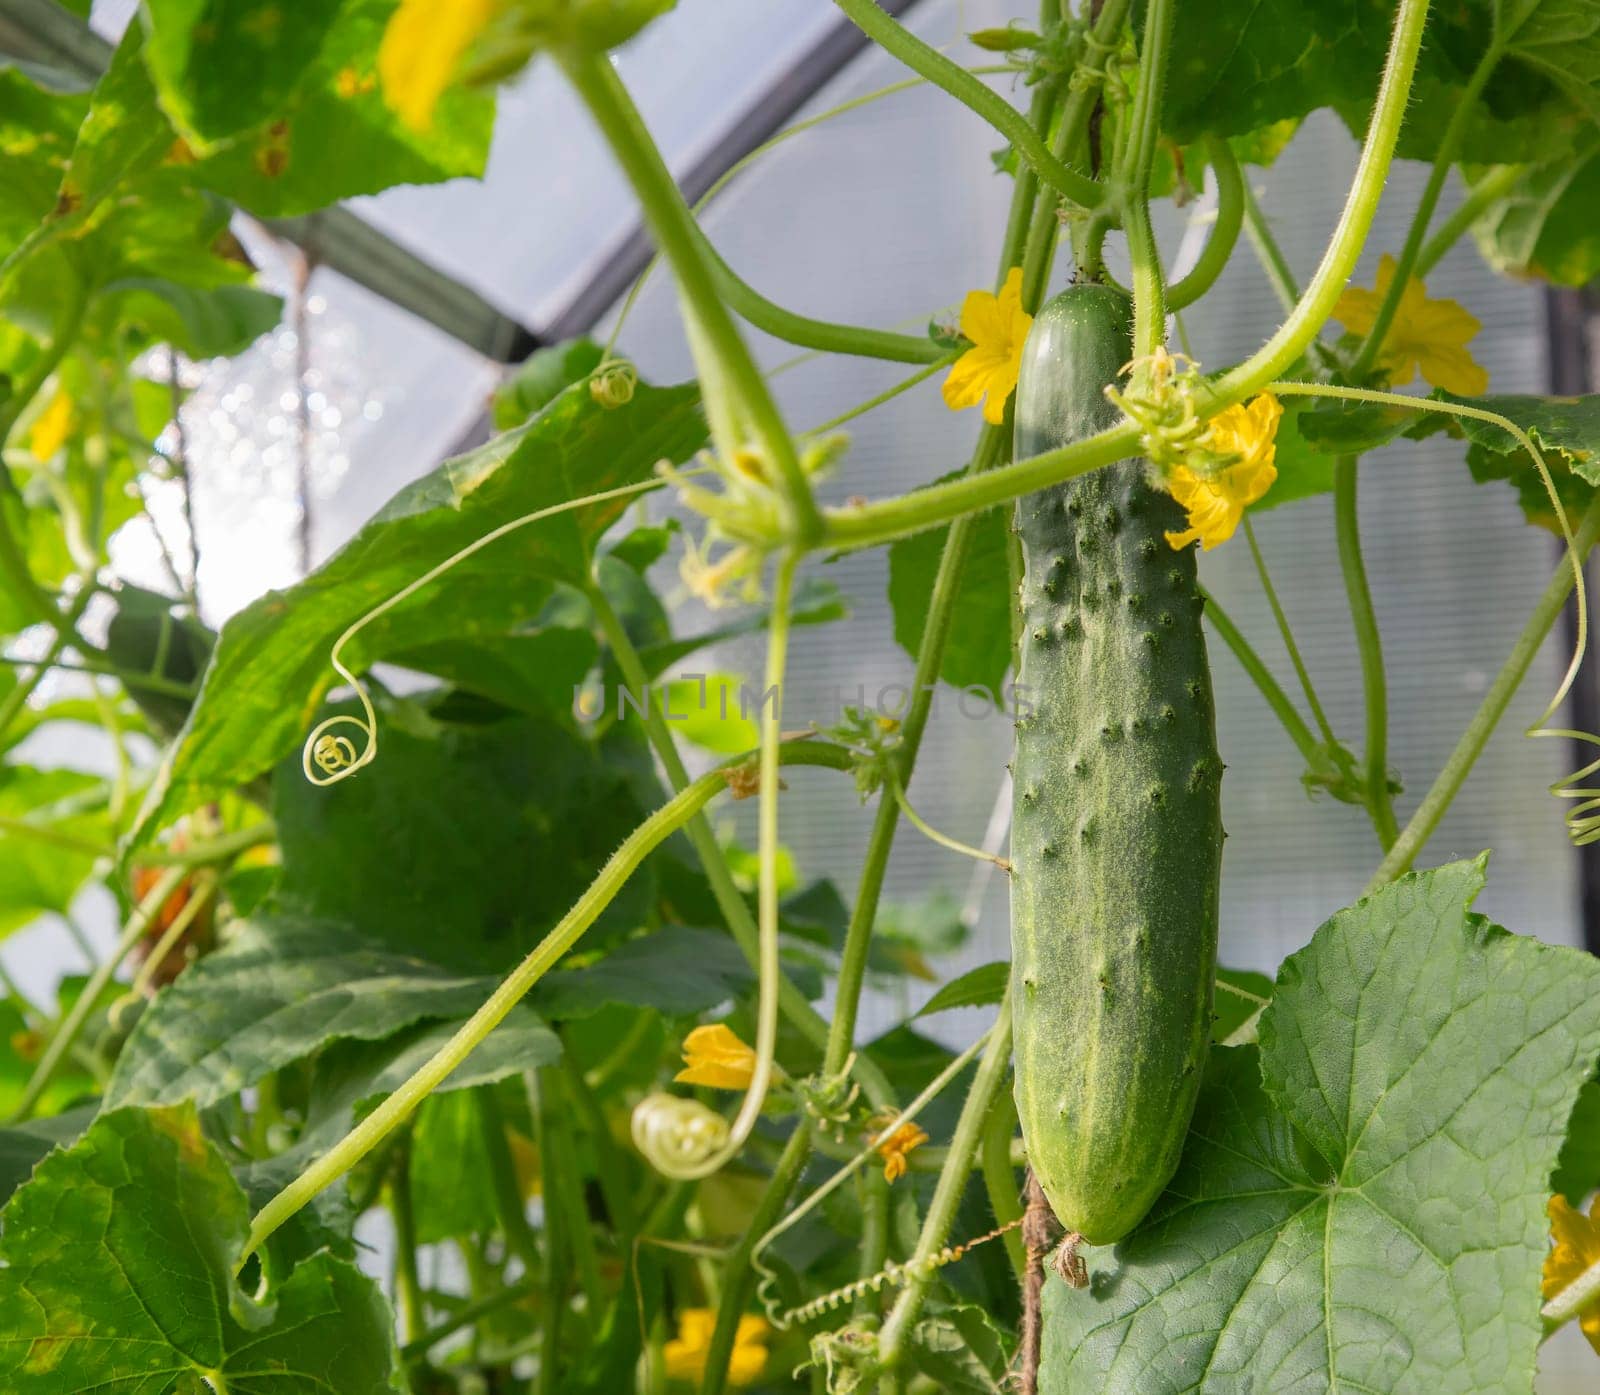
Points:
[[1582, 818], [782, 1318], [328, 758], [676, 1136], [893, 1275], [612, 384]]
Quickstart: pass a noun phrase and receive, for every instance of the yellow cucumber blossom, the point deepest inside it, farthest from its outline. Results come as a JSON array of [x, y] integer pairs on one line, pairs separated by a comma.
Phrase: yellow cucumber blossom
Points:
[[737, 572], [894, 1147], [1244, 439], [997, 325], [715, 1056], [1577, 1248], [52, 428], [686, 1353], [422, 47], [1425, 334]]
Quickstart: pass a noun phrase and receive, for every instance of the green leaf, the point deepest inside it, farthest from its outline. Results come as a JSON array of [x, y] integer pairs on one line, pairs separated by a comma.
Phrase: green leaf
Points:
[[541, 377], [963, 1349], [1353, 428], [1548, 225], [270, 670], [676, 970], [120, 1254], [23, 1145], [1578, 1169], [713, 710], [336, 137], [1242, 65], [1569, 425], [1239, 65], [1567, 432], [449, 1169], [1415, 1061], [201, 321], [42, 871], [150, 634], [980, 987], [1240, 996], [280, 988], [500, 828], [222, 68], [535, 672], [978, 652]]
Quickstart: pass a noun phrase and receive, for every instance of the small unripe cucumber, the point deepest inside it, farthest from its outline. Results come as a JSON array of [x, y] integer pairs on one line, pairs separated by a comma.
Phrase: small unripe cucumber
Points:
[[1116, 842]]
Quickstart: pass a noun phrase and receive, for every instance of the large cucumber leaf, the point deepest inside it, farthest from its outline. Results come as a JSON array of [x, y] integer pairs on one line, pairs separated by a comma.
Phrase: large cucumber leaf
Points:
[[500, 826], [1361, 1203], [119, 1278]]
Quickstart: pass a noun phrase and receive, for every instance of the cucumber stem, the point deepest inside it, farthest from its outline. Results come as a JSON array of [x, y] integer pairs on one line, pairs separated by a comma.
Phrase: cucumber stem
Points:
[[1369, 642]]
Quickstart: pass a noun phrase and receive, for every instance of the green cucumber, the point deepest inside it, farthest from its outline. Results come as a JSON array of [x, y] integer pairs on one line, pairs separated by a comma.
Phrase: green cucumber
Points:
[[1116, 842]]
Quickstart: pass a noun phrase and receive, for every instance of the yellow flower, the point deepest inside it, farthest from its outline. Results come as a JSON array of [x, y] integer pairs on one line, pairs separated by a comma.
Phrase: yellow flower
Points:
[[686, 1353], [51, 428], [1428, 334], [422, 46], [1216, 500], [1577, 1248], [714, 1056], [996, 325], [894, 1148]]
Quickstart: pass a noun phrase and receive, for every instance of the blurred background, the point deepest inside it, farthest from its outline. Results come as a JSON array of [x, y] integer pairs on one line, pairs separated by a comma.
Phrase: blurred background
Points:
[[887, 216]]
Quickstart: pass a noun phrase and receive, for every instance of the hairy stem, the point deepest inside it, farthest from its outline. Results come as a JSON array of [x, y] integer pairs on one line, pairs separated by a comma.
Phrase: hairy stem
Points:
[[394, 1110], [1493, 187], [713, 861], [1214, 259], [407, 1283], [738, 1274], [1149, 285], [987, 1082], [731, 372], [1364, 619], [1405, 264]]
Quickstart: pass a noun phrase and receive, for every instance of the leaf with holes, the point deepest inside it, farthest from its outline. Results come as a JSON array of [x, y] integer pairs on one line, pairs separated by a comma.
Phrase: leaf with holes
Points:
[[1361, 1203]]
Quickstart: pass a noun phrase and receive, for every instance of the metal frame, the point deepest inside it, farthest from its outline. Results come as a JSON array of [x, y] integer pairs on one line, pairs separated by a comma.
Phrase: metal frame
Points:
[[1572, 320]]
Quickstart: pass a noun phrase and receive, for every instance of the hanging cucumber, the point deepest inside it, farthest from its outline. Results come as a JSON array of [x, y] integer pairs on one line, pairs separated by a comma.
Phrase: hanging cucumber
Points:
[[1117, 825]]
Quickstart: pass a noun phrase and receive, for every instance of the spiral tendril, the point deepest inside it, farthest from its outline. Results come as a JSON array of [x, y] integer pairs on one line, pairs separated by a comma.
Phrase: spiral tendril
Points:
[[327, 758], [891, 1275], [613, 383], [677, 1136], [766, 1284]]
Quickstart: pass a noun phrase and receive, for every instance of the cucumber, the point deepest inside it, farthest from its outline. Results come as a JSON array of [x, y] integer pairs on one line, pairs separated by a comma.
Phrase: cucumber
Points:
[[1116, 815]]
